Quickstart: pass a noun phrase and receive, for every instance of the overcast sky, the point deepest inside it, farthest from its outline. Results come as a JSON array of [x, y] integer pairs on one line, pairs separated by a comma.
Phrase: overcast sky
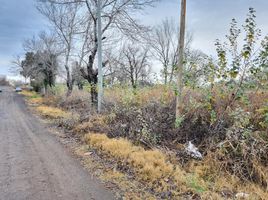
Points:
[[206, 19]]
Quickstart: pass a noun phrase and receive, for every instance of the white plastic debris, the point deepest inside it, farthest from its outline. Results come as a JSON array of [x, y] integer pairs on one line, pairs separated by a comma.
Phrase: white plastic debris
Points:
[[192, 150], [87, 153], [241, 195]]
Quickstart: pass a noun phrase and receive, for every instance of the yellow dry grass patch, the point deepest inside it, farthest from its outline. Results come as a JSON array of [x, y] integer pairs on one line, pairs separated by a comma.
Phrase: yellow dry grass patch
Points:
[[211, 171], [26, 93], [36, 101], [29, 94], [211, 196], [32, 97], [52, 112], [83, 127], [152, 166], [129, 188], [149, 165], [93, 123]]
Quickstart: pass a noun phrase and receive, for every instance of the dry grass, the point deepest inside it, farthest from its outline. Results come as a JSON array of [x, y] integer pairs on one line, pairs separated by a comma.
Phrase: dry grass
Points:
[[52, 112], [36, 101], [211, 196], [129, 189], [27, 93], [95, 123], [220, 181], [150, 166], [205, 178], [32, 97], [43, 105], [208, 178]]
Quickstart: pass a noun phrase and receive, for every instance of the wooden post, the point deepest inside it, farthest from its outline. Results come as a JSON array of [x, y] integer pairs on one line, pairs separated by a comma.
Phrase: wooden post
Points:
[[179, 97]]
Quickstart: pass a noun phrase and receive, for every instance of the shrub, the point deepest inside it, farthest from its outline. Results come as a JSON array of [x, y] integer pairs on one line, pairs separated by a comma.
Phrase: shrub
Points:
[[78, 101], [69, 121], [96, 123]]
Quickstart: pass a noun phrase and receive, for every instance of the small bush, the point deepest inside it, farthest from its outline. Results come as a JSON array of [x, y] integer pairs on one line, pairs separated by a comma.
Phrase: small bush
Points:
[[78, 101], [96, 123], [69, 121]]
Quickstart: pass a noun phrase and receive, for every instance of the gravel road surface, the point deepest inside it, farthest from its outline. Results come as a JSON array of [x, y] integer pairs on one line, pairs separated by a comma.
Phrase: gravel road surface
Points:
[[33, 164]]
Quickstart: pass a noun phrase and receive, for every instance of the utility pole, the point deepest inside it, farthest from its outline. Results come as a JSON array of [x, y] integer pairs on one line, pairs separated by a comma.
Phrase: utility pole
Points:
[[100, 73], [180, 68]]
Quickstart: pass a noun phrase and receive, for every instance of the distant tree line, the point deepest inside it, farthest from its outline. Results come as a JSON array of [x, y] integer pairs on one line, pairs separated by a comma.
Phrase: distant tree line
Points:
[[3, 80], [131, 49]]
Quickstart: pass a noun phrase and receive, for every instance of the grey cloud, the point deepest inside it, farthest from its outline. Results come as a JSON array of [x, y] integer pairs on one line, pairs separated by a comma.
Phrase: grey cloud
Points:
[[210, 19], [19, 20], [207, 19]]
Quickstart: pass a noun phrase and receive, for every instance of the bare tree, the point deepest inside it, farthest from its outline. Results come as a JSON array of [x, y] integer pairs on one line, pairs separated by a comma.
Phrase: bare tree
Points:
[[164, 42], [66, 22], [112, 67], [134, 64], [3, 80], [18, 67], [117, 15]]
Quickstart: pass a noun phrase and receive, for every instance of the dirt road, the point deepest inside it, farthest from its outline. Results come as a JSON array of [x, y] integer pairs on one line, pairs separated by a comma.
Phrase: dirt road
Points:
[[33, 164]]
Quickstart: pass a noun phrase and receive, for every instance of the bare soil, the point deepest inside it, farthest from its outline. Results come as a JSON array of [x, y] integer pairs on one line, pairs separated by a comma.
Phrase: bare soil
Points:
[[34, 165]]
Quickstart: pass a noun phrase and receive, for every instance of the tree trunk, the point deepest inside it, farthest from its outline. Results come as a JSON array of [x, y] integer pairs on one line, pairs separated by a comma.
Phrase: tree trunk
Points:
[[92, 77], [69, 82], [165, 74], [80, 86], [94, 95], [133, 84], [69, 90], [132, 79], [45, 87]]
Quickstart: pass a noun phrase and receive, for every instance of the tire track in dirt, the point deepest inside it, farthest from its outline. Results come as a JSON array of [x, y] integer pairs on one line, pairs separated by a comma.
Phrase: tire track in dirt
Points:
[[33, 164]]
